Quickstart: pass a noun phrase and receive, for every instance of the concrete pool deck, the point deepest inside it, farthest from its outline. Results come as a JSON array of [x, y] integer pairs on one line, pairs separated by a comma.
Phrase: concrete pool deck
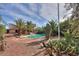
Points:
[[32, 36]]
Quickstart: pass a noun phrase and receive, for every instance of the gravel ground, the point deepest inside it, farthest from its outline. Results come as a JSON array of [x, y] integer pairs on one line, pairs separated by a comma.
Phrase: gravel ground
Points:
[[22, 47]]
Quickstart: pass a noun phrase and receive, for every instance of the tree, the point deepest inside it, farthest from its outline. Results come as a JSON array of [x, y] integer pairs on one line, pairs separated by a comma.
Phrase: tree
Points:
[[75, 11], [53, 26], [75, 28], [74, 19], [20, 25], [50, 28], [47, 30], [30, 26], [39, 30], [64, 26]]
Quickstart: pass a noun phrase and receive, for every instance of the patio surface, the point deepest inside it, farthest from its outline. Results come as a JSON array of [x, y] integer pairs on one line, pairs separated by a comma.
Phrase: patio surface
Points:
[[22, 47]]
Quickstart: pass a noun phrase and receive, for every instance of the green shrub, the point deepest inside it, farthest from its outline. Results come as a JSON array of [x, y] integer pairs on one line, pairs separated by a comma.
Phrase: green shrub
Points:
[[2, 29], [2, 32], [66, 46]]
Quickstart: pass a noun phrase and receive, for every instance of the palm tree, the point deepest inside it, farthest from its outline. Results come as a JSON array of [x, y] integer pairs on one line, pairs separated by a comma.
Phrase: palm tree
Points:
[[20, 25], [53, 26], [50, 29], [65, 26], [2, 32], [47, 30], [30, 26]]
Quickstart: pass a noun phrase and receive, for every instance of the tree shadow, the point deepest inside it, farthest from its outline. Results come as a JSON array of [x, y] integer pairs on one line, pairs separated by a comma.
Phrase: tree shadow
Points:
[[39, 52], [36, 43]]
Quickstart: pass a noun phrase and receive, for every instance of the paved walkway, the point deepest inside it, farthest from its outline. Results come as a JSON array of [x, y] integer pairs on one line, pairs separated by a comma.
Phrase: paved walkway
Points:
[[22, 47]]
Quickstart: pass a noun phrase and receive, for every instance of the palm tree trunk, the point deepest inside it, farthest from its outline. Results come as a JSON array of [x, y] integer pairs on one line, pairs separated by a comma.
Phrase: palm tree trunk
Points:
[[19, 32]]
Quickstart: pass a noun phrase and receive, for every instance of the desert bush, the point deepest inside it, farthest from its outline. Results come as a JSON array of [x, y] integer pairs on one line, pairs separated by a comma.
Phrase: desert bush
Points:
[[72, 25], [66, 46], [2, 32]]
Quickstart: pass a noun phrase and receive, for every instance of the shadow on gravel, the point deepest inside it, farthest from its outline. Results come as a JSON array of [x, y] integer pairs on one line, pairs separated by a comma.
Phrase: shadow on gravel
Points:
[[36, 43]]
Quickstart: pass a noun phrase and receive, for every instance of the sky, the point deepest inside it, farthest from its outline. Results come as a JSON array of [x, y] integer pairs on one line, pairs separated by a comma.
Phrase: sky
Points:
[[38, 13]]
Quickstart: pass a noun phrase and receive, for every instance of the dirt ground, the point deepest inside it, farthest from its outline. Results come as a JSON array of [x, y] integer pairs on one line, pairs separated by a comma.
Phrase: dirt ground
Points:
[[22, 47]]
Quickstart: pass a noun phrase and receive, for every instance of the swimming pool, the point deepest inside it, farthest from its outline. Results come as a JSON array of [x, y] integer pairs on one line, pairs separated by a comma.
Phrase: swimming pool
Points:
[[36, 35]]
